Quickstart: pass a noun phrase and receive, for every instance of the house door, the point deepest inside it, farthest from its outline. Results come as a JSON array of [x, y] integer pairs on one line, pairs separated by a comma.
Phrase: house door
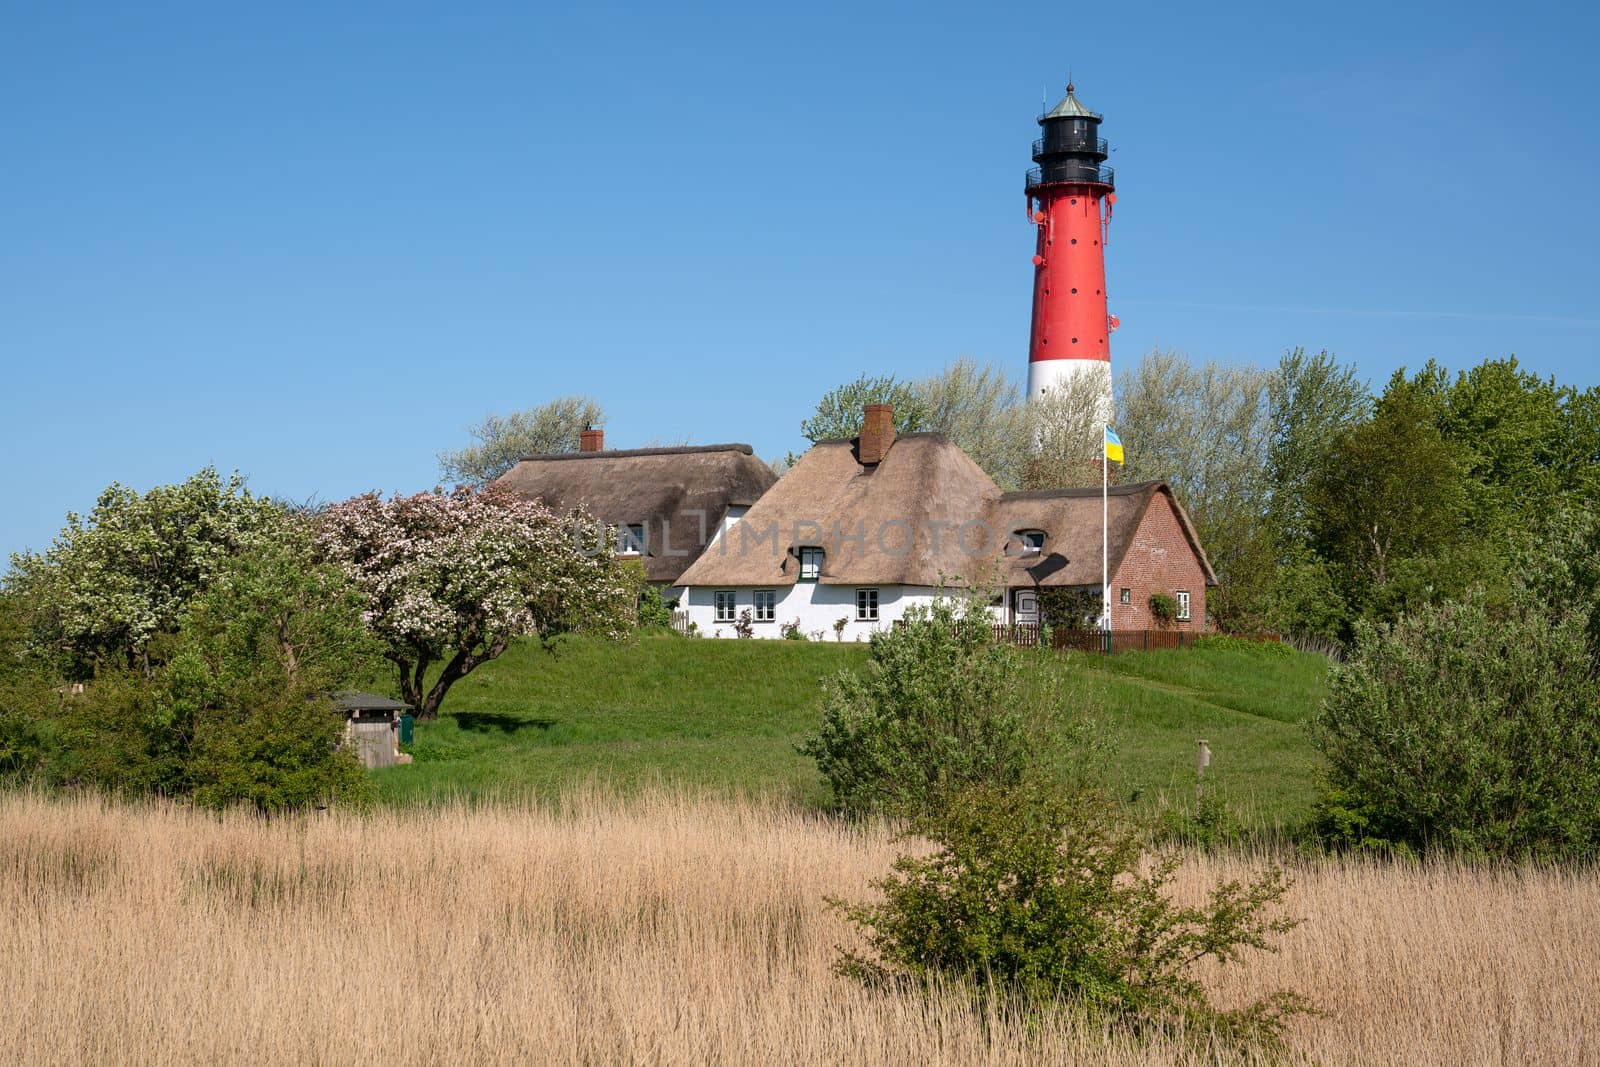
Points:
[[1027, 607]]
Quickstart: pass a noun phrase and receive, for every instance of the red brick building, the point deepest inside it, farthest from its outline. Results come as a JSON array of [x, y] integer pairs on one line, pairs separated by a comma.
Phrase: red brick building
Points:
[[1153, 549]]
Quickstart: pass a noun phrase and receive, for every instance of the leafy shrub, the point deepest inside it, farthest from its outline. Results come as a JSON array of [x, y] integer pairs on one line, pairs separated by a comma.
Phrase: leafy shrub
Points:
[[26, 698], [791, 631], [745, 626], [1229, 643], [1067, 608], [655, 611], [1465, 730], [1211, 823], [237, 712], [275, 753], [1163, 608], [838, 627], [1046, 895], [23, 745], [940, 704]]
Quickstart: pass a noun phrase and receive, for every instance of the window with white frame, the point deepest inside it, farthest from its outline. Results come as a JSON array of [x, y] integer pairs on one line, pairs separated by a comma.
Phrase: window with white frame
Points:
[[630, 539], [766, 605], [1183, 606], [810, 564], [1031, 542], [726, 605], [1127, 595], [866, 605]]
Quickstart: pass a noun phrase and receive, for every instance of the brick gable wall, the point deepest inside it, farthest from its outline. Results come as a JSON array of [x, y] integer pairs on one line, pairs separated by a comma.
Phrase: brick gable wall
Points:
[[1160, 560]]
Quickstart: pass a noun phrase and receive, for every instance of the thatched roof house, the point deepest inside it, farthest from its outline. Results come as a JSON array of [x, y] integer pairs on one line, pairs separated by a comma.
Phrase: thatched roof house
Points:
[[892, 517], [667, 503]]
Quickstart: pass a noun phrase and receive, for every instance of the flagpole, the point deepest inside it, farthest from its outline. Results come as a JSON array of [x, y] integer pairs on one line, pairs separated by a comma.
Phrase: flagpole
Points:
[[1105, 535]]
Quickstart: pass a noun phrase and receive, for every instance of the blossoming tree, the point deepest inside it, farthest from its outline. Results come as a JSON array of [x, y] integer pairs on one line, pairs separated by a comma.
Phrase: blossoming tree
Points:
[[450, 579]]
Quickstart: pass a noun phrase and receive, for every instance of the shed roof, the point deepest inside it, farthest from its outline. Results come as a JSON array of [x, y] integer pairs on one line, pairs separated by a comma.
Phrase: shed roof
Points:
[[351, 700], [680, 495]]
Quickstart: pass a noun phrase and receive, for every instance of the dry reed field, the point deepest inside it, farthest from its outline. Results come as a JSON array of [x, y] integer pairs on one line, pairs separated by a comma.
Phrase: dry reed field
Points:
[[670, 930]]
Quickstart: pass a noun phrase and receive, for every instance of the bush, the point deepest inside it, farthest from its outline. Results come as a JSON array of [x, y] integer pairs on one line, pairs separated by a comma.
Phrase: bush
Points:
[[655, 611], [1067, 608], [1465, 730], [26, 698], [941, 704], [1163, 608], [1230, 643], [791, 631], [276, 753], [1045, 895], [237, 712]]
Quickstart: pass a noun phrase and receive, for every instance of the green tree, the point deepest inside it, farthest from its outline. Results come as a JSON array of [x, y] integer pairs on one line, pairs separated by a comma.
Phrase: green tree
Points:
[[1527, 440], [1060, 441], [980, 409], [116, 581], [1556, 561], [839, 413], [500, 441], [1388, 501], [1206, 430], [1312, 399]]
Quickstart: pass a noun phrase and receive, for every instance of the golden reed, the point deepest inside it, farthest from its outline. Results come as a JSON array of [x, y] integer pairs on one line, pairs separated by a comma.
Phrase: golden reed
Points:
[[672, 930]]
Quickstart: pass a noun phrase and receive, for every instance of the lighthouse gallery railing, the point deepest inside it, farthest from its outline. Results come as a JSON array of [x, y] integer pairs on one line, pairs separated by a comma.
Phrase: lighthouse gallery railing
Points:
[[1106, 176]]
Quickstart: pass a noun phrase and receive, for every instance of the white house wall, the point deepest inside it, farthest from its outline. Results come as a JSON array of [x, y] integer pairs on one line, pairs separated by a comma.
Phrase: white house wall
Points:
[[817, 607]]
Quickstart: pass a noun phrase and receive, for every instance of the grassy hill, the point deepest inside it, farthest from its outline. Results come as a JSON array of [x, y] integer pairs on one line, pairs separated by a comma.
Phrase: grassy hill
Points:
[[725, 716]]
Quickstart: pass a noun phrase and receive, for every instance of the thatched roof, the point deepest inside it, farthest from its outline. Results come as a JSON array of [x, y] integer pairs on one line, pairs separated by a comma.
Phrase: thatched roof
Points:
[[1071, 520], [926, 515], [680, 495]]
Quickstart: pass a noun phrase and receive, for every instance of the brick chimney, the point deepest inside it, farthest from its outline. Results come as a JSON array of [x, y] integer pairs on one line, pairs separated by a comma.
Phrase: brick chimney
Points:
[[591, 440], [877, 434]]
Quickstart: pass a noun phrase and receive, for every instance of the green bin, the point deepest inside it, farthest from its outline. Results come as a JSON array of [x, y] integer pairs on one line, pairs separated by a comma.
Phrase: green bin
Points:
[[408, 724]]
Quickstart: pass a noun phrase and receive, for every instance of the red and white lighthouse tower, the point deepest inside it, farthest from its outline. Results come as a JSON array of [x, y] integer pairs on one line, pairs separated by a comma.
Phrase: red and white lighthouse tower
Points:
[[1070, 194]]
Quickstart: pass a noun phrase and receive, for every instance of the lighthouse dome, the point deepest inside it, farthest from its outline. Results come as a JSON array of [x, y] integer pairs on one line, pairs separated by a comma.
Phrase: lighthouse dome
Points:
[[1071, 108]]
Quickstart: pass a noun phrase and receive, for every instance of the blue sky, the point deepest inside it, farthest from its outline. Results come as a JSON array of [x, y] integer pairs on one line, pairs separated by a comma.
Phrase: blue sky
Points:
[[314, 242]]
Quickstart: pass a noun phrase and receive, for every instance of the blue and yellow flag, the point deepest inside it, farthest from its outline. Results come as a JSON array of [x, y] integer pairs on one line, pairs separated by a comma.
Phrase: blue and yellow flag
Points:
[[1113, 446]]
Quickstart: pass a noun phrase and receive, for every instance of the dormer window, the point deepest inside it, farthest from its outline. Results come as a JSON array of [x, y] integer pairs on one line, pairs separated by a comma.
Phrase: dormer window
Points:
[[810, 564], [1030, 542], [630, 539]]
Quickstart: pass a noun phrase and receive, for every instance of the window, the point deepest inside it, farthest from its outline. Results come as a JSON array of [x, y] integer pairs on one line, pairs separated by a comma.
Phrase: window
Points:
[[1127, 596], [810, 564], [630, 539], [1183, 606], [725, 605], [866, 605], [1032, 541], [766, 605]]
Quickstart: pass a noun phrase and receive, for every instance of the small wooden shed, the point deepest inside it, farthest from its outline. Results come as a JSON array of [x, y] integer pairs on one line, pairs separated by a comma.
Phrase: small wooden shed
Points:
[[372, 727]]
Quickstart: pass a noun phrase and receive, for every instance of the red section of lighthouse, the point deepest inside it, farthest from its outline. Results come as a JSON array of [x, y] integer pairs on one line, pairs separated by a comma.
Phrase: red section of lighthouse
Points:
[[1070, 194]]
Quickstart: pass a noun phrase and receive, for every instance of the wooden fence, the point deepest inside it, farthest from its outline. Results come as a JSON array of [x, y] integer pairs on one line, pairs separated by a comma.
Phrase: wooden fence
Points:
[[1030, 635]]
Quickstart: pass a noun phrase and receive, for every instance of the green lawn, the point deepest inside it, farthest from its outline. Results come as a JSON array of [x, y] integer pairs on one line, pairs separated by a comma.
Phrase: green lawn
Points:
[[725, 715]]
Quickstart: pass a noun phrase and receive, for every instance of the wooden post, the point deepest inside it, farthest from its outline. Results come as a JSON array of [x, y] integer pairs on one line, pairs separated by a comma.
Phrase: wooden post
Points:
[[1202, 761]]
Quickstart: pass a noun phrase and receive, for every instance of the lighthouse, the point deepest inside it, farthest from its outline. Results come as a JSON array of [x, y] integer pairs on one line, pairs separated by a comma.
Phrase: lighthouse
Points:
[[1070, 194]]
